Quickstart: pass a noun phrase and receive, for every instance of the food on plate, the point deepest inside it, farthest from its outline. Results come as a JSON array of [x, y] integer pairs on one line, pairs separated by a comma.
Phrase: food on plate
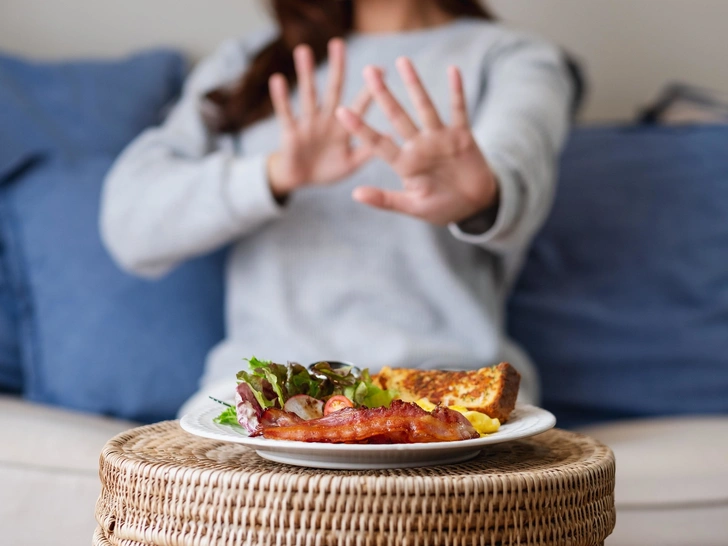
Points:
[[300, 391], [337, 403], [480, 421], [342, 404], [304, 406], [400, 423], [491, 391]]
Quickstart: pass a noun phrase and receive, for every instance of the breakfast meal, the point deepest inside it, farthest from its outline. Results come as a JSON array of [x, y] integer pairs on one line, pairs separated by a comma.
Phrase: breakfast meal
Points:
[[341, 404]]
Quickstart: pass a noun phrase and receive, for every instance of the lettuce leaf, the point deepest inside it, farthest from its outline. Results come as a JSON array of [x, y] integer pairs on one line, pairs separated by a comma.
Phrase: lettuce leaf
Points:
[[377, 397], [339, 378], [273, 384], [228, 417], [366, 393], [300, 381], [277, 387], [260, 389]]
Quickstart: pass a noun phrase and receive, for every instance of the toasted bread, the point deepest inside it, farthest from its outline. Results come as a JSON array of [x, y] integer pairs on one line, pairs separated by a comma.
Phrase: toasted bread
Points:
[[492, 391]]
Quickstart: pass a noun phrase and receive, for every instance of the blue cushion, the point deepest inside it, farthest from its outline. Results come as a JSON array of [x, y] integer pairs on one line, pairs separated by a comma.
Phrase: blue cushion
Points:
[[91, 106], [623, 302], [21, 143], [11, 374], [91, 337], [100, 340], [21, 140]]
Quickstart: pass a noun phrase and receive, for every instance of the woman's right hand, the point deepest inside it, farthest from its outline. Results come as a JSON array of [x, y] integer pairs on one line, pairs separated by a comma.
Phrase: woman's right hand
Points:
[[315, 147]]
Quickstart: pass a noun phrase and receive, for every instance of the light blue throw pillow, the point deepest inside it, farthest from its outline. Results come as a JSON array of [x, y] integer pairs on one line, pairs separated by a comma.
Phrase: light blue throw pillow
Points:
[[623, 302], [11, 371], [91, 337], [88, 107], [21, 144]]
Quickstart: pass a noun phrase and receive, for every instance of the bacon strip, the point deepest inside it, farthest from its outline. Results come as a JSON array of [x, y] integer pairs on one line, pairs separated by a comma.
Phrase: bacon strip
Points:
[[401, 422], [276, 417]]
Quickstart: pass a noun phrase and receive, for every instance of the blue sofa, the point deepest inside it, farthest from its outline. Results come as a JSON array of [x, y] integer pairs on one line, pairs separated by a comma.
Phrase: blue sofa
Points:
[[623, 300]]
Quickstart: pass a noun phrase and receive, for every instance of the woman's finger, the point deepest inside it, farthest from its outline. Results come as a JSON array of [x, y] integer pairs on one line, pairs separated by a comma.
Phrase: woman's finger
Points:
[[383, 146], [359, 107], [359, 156], [457, 97], [421, 100], [362, 102], [337, 68], [279, 97], [303, 59], [396, 201], [396, 115]]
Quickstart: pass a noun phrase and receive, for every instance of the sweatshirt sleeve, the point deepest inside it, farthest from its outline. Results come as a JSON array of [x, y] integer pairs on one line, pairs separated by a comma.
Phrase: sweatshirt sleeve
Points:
[[178, 191], [520, 126]]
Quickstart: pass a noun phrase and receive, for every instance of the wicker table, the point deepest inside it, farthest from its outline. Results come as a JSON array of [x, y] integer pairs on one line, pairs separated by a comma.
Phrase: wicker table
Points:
[[162, 486]]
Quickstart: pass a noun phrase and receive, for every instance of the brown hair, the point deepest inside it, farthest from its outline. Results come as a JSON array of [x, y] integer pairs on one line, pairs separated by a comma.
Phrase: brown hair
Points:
[[312, 22]]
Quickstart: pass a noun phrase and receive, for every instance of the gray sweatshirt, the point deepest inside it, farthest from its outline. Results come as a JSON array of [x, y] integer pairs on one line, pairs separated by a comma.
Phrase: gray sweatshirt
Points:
[[324, 277]]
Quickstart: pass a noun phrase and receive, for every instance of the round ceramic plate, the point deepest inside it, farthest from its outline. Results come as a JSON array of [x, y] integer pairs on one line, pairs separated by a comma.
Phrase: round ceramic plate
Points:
[[525, 421]]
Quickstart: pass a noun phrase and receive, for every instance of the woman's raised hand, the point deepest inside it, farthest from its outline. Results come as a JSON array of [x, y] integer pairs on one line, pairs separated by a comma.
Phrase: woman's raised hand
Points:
[[444, 174], [315, 148]]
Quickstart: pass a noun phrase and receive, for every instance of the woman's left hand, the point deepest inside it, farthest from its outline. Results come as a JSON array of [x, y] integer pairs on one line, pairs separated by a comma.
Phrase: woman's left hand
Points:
[[444, 174]]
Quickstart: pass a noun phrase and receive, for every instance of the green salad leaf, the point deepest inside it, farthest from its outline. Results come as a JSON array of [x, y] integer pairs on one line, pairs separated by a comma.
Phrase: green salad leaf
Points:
[[375, 396], [273, 384], [365, 393], [228, 417], [300, 381], [340, 377], [263, 391]]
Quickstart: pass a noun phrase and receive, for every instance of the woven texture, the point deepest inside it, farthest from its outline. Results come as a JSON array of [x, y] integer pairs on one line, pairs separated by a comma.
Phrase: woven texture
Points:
[[164, 487]]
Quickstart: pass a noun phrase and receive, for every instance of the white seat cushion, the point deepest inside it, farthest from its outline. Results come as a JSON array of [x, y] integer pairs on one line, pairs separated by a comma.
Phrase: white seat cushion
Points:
[[668, 461], [672, 480], [693, 526], [49, 473]]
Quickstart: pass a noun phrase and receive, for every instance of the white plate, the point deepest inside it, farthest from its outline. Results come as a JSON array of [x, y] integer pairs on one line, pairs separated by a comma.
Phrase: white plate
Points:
[[525, 421]]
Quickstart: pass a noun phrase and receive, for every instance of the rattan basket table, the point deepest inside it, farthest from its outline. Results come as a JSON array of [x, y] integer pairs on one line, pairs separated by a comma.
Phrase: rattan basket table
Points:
[[164, 487]]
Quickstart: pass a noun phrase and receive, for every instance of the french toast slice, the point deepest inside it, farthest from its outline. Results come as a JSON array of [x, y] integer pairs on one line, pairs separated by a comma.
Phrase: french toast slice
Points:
[[492, 391]]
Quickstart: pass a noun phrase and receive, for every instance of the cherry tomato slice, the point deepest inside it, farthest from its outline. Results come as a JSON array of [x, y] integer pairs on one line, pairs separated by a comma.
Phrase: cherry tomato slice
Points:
[[336, 403]]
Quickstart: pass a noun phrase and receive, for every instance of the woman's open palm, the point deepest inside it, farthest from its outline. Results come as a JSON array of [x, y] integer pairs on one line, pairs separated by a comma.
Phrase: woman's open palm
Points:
[[315, 147], [444, 174]]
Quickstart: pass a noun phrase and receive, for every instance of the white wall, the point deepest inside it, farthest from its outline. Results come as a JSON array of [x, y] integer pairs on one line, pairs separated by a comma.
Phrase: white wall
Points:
[[632, 47], [64, 28]]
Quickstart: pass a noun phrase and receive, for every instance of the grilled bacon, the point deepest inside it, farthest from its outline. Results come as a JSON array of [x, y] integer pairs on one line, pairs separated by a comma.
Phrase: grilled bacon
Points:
[[276, 417], [401, 422]]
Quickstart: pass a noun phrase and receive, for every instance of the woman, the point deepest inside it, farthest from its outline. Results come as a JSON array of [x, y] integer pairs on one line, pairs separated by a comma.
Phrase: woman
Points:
[[348, 243]]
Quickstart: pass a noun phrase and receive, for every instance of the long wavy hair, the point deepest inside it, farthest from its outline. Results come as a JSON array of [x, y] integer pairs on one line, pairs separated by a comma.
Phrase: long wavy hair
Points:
[[313, 22]]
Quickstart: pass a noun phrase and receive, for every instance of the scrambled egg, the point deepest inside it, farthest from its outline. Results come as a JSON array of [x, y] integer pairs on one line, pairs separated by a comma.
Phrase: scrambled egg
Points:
[[480, 421]]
